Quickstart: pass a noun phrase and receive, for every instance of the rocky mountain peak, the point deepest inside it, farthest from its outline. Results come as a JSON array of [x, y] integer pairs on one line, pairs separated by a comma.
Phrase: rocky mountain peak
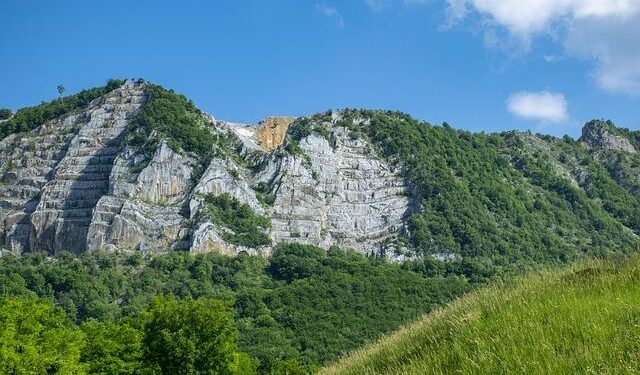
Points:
[[603, 135]]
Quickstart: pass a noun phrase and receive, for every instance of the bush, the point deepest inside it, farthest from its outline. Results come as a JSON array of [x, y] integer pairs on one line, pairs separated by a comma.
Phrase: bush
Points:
[[5, 113], [245, 228]]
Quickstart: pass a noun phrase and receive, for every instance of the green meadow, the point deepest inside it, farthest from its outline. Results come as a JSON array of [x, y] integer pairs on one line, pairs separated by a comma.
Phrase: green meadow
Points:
[[580, 320]]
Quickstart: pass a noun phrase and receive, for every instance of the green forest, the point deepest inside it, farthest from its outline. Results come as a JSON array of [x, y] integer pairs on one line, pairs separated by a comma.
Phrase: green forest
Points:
[[104, 313]]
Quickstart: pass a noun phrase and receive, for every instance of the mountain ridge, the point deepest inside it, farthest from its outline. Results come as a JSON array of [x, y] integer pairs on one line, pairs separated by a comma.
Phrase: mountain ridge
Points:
[[137, 167]]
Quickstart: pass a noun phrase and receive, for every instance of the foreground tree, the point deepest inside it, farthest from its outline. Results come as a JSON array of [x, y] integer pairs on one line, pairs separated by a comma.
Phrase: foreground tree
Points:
[[37, 338], [113, 349], [193, 337]]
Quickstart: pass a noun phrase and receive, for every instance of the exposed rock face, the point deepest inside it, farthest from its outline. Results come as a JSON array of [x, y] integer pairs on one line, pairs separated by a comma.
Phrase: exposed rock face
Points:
[[143, 210], [344, 195], [64, 170], [271, 131], [597, 135], [75, 184], [330, 195]]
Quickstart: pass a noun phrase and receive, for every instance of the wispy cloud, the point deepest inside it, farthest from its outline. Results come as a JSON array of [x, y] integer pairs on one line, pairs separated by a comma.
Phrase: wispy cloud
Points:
[[541, 106], [377, 5], [330, 12], [553, 58], [614, 46], [606, 32], [380, 5]]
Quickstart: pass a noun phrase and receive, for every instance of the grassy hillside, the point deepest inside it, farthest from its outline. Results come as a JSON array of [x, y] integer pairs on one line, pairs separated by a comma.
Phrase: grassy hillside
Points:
[[577, 321]]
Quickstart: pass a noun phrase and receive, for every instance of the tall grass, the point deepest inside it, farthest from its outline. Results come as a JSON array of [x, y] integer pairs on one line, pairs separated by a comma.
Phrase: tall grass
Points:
[[582, 320]]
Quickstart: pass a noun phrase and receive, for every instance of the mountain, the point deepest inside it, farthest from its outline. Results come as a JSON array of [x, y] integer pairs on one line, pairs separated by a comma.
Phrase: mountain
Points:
[[133, 169], [155, 198], [571, 321], [133, 166]]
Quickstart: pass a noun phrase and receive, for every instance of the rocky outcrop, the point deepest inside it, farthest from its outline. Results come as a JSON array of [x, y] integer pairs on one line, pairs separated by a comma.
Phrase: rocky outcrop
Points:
[[144, 210], [598, 134]]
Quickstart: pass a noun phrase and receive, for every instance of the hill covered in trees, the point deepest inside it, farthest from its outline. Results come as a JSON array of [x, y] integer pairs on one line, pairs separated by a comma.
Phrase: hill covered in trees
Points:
[[116, 166], [125, 207]]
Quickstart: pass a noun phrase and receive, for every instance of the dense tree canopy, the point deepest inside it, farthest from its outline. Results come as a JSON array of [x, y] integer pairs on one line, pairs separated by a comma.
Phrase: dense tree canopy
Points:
[[5, 113], [299, 309], [190, 337], [240, 223], [37, 338]]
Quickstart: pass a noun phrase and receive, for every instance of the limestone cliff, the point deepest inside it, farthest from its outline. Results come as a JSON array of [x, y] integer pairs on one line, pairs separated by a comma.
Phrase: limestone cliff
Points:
[[76, 184]]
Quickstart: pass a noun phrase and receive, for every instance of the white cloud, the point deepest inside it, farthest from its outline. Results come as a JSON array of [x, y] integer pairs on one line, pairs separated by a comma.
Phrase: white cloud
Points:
[[542, 106], [614, 46], [604, 31], [330, 12], [524, 18]]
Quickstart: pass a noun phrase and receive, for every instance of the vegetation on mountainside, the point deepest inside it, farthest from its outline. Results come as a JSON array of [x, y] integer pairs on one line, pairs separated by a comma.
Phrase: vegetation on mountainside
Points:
[[490, 200], [304, 127], [174, 118], [301, 308], [29, 118], [578, 321], [5, 113], [240, 224]]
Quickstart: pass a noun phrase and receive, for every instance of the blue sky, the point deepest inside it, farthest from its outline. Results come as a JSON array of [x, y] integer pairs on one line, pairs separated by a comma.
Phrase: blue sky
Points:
[[477, 64]]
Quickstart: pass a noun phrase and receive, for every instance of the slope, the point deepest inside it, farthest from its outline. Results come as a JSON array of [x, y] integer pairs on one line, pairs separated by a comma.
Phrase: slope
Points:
[[575, 321]]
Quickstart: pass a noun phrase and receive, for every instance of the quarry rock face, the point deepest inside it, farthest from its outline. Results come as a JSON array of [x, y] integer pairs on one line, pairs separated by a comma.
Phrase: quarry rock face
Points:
[[53, 177], [75, 184], [340, 195], [272, 130]]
